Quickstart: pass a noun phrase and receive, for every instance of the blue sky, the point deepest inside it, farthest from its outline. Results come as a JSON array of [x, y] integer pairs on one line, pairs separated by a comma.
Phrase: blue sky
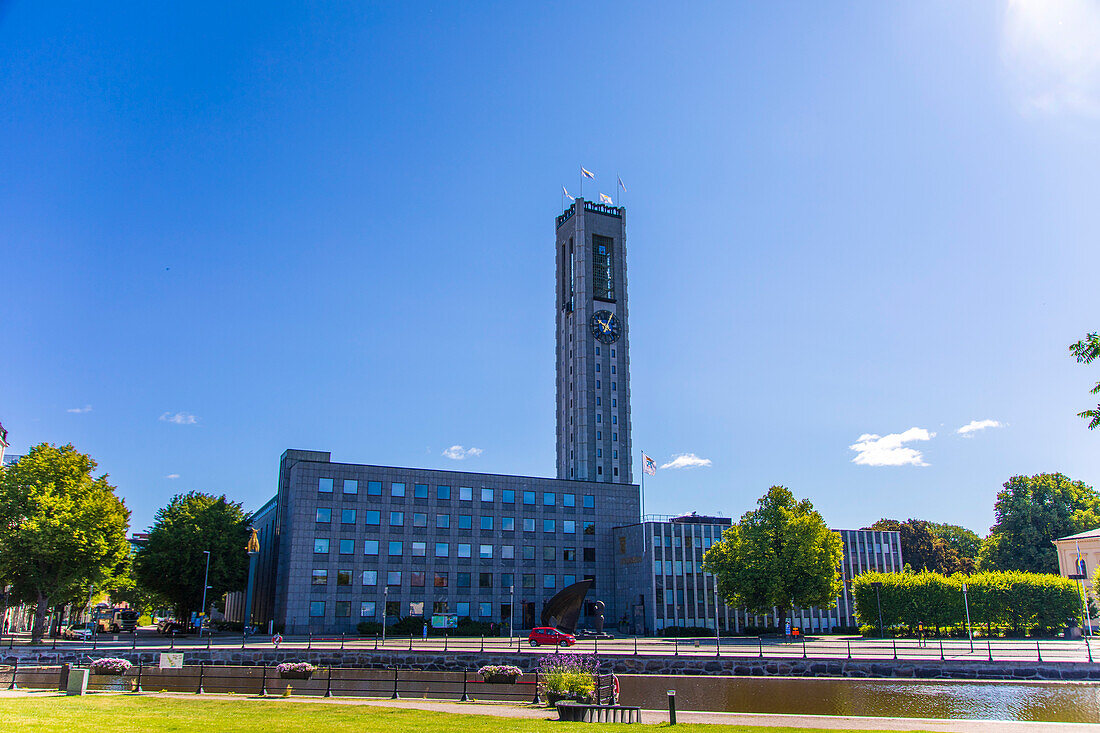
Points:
[[228, 231]]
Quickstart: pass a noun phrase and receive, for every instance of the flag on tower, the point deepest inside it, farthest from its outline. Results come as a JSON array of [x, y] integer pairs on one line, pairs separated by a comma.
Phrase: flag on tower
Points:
[[621, 184], [587, 173], [605, 199], [648, 465], [567, 194]]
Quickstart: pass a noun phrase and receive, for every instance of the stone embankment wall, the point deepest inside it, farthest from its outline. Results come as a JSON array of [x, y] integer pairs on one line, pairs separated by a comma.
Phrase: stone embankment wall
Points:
[[621, 664]]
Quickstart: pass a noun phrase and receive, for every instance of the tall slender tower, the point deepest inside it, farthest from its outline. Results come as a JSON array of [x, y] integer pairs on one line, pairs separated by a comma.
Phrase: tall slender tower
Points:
[[593, 365]]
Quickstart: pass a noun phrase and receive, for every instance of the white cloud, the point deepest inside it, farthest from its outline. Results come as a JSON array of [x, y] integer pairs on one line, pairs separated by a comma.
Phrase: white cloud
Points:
[[458, 453], [172, 476], [686, 460], [180, 418], [889, 450], [1052, 49], [975, 425], [79, 410]]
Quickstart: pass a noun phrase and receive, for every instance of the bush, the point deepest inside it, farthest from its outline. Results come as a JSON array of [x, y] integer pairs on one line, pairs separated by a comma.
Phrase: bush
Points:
[[109, 665], [679, 631], [568, 677], [369, 628]]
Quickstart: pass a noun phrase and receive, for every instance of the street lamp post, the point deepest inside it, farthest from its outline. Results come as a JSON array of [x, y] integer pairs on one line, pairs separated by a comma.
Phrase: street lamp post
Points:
[[385, 602], [253, 550], [205, 587], [878, 597], [717, 636], [512, 612], [966, 604]]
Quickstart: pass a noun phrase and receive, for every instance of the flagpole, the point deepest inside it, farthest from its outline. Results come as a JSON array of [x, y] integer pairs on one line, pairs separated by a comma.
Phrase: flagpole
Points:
[[617, 187], [643, 488]]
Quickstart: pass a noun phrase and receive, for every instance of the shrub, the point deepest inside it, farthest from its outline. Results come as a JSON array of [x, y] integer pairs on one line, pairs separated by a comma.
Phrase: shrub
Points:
[[369, 628], [568, 676], [295, 668], [109, 665], [680, 631]]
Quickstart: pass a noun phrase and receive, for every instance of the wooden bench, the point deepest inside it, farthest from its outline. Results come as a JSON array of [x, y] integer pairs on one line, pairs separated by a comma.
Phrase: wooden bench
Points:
[[582, 713]]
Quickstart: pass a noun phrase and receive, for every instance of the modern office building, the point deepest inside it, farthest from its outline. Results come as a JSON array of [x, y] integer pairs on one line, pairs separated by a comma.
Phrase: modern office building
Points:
[[661, 582]]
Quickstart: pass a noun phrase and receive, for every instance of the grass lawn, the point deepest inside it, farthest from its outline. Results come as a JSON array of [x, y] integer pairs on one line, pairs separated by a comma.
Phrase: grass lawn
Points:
[[132, 713]]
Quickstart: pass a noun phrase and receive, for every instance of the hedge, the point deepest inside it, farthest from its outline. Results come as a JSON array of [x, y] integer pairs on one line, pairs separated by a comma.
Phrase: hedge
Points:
[[1009, 600]]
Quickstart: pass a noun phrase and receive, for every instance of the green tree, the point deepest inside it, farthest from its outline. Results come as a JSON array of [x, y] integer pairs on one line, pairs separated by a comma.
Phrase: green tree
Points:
[[780, 555], [1086, 351], [966, 544], [61, 529], [172, 564], [1031, 512], [921, 547]]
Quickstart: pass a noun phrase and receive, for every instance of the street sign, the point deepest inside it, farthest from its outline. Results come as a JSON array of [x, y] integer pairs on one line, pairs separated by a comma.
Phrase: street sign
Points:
[[171, 660], [445, 621], [1078, 577]]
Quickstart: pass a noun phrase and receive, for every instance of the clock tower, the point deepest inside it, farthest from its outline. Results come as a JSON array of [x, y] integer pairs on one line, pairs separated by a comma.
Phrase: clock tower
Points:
[[593, 365]]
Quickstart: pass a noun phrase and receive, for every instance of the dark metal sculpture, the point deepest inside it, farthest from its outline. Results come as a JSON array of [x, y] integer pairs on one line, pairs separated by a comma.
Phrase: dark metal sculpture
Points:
[[563, 610]]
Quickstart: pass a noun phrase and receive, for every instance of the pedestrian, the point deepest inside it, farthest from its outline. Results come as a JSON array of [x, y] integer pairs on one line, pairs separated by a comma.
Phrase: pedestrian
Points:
[[425, 630]]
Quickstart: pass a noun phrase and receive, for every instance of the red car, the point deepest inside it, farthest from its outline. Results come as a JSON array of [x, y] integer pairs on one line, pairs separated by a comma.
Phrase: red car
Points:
[[550, 635]]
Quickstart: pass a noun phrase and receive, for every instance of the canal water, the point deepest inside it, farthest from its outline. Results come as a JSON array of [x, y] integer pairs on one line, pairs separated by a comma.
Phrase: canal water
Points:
[[1069, 702]]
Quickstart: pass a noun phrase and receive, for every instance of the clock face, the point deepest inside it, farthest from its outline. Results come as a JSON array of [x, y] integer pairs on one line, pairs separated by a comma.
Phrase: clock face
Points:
[[604, 327]]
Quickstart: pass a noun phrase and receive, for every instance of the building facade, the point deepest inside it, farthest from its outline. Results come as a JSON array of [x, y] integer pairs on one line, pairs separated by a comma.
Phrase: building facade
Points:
[[593, 336], [661, 581]]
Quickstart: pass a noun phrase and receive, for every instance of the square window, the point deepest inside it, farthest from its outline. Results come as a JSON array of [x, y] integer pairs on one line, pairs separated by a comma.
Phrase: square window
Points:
[[529, 497], [440, 580], [463, 580], [370, 547], [528, 524], [485, 580], [420, 520], [548, 525], [590, 528], [567, 580], [465, 493], [528, 552], [317, 609], [324, 485], [485, 552], [392, 609], [463, 550], [589, 501], [484, 610], [370, 577], [569, 526], [486, 494], [367, 609], [419, 549], [507, 580], [395, 548], [549, 581], [393, 577], [590, 554], [528, 580], [397, 519], [443, 492], [320, 545], [420, 491], [320, 577], [508, 552], [486, 523], [324, 514], [347, 547], [463, 609], [508, 524], [548, 498], [569, 553], [397, 490], [569, 500], [343, 577], [441, 549], [374, 488], [508, 496], [465, 521], [351, 486], [347, 516], [373, 516], [416, 608], [416, 579], [442, 521], [549, 553]]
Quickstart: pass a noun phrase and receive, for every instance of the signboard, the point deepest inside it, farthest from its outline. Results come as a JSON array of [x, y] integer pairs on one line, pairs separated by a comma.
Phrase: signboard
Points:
[[445, 621], [788, 628], [171, 660]]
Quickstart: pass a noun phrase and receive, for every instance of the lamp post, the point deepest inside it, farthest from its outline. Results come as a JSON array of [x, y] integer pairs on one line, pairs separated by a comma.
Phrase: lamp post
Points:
[[205, 587], [512, 612], [877, 585], [717, 636], [253, 550], [966, 604], [385, 602]]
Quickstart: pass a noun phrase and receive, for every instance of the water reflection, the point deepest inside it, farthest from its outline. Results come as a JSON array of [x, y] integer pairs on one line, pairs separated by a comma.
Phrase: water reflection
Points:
[[1076, 702]]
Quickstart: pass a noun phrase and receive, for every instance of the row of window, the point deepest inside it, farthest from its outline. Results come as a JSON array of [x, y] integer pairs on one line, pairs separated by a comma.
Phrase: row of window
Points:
[[373, 518], [396, 548], [465, 493], [369, 609], [419, 579]]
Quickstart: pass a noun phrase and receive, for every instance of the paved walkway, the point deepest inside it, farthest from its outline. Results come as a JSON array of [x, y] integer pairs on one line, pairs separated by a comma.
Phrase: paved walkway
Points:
[[510, 710]]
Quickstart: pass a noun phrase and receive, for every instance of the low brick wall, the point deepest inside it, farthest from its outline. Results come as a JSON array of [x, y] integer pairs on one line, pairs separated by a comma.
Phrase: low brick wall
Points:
[[622, 664]]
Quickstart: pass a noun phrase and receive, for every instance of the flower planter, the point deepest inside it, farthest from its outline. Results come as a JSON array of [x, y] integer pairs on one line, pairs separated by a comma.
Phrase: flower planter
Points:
[[500, 679], [553, 698], [293, 675], [113, 682]]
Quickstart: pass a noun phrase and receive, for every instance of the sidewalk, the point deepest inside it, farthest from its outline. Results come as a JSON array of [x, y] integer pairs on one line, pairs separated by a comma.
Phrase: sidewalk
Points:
[[511, 710]]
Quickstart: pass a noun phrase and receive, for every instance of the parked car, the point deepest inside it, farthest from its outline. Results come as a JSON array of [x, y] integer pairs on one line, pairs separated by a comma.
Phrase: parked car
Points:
[[550, 636], [81, 632], [168, 627]]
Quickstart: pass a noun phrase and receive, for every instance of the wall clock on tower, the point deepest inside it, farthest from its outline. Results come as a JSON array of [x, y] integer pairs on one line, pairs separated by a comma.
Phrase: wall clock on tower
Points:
[[604, 327]]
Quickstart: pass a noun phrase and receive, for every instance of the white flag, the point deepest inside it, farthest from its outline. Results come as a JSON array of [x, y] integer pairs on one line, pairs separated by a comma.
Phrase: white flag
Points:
[[587, 173], [621, 184], [567, 195], [605, 199]]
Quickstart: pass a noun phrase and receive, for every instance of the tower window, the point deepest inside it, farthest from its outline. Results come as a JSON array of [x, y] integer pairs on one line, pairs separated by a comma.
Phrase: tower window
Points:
[[597, 351], [603, 279], [612, 353], [612, 368], [597, 400], [598, 435]]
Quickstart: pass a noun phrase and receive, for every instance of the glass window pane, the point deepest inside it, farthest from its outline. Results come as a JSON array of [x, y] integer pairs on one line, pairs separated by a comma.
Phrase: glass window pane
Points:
[[463, 609], [370, 577], [568, 499], [397, 519], [395, 547], [441, 549], [367, 609], [324, 514], [465, 493], [317, 609], [393, 577], [486, 552], [548, 525], [440, 580], [347, 547], [548, 581], [397, 490], [351, 486], [419, 549], [420, 491], [320, 545], [373, 516], [528, 497], [589, 501], [508, 552], [508, 496], [486, 494], [324, 485], [463, 550], [508, 524], [465, 521], [485, 610], [590, 528], [416, 579], [548, 498], [374, 488], [370, 547], [528, 524], [420, 519], [443, 521], [347, 516], [569, 526], [443, 492], [343, 577], [486, 523], [320, 577]]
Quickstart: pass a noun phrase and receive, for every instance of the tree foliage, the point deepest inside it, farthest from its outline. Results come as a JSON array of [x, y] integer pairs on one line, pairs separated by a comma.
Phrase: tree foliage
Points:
[[780, 555], [1011, 600], [62, 530], [1086, 351], [172, 564], [1031, 512], [925, 547], [966, 543]]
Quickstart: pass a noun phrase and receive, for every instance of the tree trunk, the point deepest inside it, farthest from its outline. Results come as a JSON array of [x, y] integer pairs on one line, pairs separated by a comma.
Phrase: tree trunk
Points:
[[39, 626], [781, 620]]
